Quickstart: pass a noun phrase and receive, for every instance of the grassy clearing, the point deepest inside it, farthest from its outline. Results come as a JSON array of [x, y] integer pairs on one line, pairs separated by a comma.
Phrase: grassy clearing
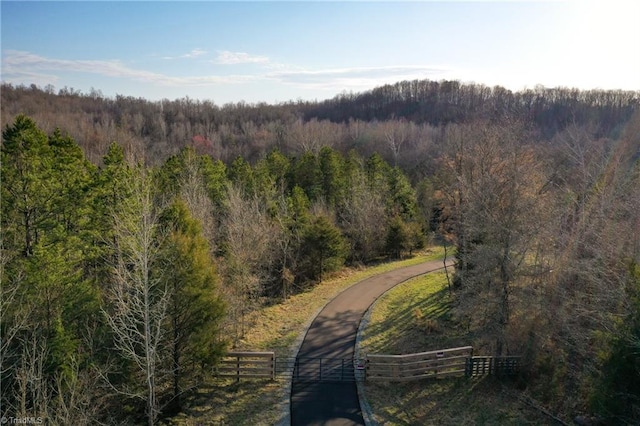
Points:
[[277, 328], [415, 317]]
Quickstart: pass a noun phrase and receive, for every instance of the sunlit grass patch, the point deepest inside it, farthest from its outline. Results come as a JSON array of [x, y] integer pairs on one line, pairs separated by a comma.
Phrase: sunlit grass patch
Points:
[[416, 317], [412, 317]]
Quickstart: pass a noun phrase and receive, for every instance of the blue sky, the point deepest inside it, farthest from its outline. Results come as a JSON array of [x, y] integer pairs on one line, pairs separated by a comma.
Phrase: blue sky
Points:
[[279, 51]]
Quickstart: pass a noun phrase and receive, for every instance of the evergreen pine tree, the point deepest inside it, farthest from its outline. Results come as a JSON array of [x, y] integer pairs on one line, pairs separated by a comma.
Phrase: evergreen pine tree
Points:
[[195, 308]]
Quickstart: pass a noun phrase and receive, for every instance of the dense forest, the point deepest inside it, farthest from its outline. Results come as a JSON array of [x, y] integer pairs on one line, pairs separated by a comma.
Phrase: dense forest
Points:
[[137, 236], [403, 122]]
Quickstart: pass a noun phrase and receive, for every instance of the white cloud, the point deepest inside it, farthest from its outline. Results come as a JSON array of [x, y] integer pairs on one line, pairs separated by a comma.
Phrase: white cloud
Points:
[[226, 57], [20, 67], [20, 64], [358, 77], [194, 53]]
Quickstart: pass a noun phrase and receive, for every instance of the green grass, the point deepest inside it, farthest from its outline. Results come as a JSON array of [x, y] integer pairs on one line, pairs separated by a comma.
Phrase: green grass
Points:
[[275, 328], [412, 317], [416, 317]]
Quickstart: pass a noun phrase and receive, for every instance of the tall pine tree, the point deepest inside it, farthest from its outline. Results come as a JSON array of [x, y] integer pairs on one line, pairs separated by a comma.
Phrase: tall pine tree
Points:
[[195, 309]]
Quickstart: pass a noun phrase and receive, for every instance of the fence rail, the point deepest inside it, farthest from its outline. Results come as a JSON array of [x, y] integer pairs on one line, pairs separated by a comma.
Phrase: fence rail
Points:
[[249, 365], [443, 363], [454, 362]]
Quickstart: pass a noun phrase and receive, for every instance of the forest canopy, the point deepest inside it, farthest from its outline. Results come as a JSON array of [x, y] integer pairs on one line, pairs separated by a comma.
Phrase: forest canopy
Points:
[[393, 120]]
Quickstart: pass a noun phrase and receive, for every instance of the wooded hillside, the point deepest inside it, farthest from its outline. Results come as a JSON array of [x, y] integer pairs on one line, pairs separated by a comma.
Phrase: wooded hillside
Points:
[[401, 122], [137, 236]]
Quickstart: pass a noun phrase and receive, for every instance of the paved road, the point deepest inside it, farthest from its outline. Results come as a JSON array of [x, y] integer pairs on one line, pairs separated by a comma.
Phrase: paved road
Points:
[[333, 335]]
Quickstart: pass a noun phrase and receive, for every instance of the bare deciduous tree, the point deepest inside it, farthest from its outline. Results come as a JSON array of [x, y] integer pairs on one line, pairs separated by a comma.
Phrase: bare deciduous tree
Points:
[[313, 135], [248, 236], [13, 317], [137, 300], [396, 135], [363, 218], [34, 394], [496, 194], [194, 194]]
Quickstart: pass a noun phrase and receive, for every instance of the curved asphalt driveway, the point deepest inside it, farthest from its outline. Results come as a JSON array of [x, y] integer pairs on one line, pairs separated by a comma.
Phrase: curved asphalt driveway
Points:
[[333, 335]]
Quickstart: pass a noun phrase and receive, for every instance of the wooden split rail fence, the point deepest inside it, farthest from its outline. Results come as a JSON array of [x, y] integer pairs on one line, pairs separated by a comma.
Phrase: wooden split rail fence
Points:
[[248, 365], [455, 362], [437, 364], [399, 368]]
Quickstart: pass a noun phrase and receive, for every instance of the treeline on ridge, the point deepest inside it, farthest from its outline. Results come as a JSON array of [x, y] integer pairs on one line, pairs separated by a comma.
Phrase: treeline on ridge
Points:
[[401, 122]]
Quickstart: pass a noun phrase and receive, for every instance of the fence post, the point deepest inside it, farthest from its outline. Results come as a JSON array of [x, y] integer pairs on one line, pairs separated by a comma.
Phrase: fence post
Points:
[[366, 367], [238, 369], [273, 366]]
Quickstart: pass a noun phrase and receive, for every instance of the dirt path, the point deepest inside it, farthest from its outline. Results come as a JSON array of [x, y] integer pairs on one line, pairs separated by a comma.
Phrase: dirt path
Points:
[[332, 336]]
